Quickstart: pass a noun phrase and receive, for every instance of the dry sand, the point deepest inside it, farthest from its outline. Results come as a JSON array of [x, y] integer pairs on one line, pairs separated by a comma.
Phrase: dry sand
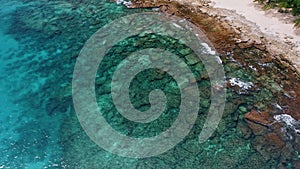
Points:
[[273, 24], [270, 22], [268, 30]]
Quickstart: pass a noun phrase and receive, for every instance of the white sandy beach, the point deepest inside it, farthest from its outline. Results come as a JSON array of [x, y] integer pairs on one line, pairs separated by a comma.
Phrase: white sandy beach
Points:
[[281, 37], [271, 23]]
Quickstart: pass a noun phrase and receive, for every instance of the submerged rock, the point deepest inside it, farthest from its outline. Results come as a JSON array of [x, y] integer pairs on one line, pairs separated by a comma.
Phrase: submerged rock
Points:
[[269, 145], [262, 118]]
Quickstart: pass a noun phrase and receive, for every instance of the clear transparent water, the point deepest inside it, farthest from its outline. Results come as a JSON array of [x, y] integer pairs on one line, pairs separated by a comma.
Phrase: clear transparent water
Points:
[[39, 43]]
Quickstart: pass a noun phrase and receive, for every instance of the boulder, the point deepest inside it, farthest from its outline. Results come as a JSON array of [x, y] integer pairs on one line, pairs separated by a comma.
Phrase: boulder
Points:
[[262, 118]]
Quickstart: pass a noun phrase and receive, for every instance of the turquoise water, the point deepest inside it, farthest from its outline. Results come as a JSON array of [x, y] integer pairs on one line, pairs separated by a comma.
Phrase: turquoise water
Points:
[[28, 135], [39, 44]]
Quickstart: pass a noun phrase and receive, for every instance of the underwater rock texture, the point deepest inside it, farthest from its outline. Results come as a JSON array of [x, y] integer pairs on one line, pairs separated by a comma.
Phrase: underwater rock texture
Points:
[[240, 30], [268, 64], [57, 30]]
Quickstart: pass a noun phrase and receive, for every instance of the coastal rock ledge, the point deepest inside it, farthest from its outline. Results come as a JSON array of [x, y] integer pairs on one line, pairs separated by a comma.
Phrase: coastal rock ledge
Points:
[[231, 33]]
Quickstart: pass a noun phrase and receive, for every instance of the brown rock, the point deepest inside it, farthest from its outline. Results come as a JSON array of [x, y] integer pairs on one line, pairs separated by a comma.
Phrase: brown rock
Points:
[[276, 127], [220, 33], [257, 129], [269, 146], [260, 46], [262, 118], [275, 141], [245, 45]]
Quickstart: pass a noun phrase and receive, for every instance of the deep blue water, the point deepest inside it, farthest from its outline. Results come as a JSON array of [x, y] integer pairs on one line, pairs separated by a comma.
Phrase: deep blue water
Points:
[[39, 44]]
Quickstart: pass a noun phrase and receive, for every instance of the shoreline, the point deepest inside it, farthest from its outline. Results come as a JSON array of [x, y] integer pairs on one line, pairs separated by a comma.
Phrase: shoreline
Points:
[[270, 22], [235, 36], [235, 28], [271, 60], [277, 28]]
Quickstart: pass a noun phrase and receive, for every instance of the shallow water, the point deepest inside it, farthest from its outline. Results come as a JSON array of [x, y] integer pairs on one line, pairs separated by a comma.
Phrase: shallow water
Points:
[[40, 41]]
